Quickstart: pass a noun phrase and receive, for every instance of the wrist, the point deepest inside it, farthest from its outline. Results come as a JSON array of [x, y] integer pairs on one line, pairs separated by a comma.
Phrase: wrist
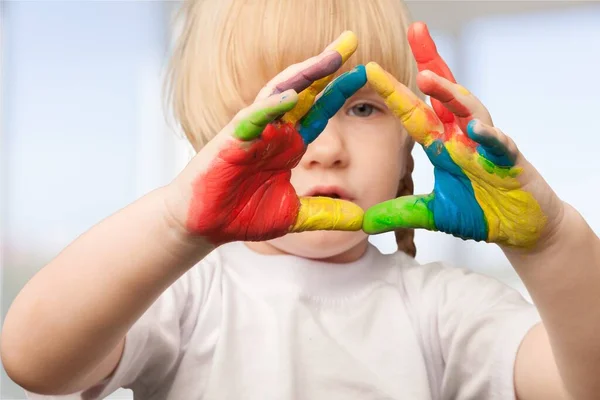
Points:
[[174, 210], [566, 233]]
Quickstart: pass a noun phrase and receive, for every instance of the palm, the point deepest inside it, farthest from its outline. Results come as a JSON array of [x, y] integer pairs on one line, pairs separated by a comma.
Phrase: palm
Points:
[[249, 188], [476, 194]]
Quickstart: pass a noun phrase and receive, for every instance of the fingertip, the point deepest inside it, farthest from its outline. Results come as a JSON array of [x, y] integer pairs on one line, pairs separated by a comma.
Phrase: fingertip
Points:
[[373, 67], [420, 39], [289, 96], [479, 128], [379, 79], [360, 68], [346, 44], [471, 129], [427, 73], [427, 81], [355, 78], [418, 27]]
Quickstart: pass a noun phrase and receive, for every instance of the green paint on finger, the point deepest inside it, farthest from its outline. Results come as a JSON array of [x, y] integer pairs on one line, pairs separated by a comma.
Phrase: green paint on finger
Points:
[[501, 171], [403, 212], [252, 126]]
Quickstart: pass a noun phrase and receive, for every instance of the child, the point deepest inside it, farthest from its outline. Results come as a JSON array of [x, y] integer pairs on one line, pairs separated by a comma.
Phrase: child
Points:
[[165, 297]]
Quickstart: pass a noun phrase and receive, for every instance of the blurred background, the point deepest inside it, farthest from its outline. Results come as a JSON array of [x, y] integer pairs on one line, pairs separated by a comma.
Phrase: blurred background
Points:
[[83, 131]]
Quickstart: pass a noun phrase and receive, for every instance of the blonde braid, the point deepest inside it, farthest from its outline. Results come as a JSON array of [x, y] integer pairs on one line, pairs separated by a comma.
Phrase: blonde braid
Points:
[[405, 238]]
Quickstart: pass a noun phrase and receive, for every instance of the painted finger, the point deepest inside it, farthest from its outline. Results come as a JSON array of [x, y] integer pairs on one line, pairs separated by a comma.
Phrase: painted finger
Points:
[[454, 97], [334, 97], [418, 118], [325, 213], [300, 76], [425, 51], [427, 57], [250, 122], [404, 212], [493, 144], [343, 47]]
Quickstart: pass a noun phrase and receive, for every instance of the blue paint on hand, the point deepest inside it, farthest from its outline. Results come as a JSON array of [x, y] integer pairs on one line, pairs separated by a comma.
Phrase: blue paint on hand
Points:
[[454, 206], [333, 99], [489, 147]]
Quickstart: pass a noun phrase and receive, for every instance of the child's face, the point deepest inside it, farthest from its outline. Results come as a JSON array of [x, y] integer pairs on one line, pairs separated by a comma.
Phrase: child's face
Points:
[[359, 157]]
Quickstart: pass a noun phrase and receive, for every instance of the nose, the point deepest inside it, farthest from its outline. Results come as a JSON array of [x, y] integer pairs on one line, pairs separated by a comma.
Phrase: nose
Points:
[[328, 150]]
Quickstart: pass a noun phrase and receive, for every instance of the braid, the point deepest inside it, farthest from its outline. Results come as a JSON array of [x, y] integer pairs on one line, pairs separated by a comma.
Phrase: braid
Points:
[[405, 238]]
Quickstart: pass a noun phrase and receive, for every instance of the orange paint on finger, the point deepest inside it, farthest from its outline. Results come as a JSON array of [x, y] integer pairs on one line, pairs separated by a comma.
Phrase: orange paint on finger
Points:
[[425, 53]]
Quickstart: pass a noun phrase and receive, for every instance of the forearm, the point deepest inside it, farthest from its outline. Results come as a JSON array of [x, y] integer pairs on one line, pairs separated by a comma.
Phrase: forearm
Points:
[[78, 308], [563, 279]]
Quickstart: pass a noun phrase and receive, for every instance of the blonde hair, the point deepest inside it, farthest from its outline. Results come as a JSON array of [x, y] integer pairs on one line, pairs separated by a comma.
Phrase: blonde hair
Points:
[[229, 49]]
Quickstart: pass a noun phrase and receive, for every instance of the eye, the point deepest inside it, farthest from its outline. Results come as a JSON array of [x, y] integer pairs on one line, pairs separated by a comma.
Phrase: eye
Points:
[[362, 110]]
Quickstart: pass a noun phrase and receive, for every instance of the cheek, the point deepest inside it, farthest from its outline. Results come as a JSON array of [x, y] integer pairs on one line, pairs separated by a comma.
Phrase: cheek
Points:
[[380, 164]]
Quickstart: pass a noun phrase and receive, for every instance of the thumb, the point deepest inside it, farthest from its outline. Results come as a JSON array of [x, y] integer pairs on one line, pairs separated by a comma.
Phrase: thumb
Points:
[[325, 213], [404, 212]]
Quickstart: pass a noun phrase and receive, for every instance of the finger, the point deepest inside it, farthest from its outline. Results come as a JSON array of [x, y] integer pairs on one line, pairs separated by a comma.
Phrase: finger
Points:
[[454, 97], [493, 144], [300, 76], [250, 122], [343, 48], [325, 213], [404, 212], [427, 57], [334, 97], [425, 51], [418, 118]]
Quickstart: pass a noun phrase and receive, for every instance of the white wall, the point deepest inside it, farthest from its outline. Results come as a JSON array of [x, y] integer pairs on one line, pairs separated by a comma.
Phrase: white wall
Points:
[[81, 127], [82, 133]]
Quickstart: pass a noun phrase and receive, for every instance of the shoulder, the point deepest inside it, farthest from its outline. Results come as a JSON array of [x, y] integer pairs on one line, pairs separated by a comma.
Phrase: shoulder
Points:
[[433, 273], [440, 283]]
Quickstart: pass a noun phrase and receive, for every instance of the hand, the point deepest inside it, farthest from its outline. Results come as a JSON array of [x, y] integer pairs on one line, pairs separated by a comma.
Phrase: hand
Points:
[[237, 188], [484, 188]]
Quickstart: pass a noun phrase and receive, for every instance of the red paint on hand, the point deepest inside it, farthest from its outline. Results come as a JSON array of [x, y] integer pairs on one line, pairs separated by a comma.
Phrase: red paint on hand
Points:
[[246, 194], [427, 57]]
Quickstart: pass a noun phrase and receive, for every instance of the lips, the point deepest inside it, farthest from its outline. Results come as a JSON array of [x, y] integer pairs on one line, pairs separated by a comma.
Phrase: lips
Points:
[[335, 192]]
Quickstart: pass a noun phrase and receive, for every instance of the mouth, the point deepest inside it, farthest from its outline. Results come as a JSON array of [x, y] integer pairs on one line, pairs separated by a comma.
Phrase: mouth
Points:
[[333, 192]]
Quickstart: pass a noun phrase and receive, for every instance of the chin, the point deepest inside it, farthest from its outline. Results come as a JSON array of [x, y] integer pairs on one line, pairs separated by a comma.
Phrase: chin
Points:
[[320, 244]]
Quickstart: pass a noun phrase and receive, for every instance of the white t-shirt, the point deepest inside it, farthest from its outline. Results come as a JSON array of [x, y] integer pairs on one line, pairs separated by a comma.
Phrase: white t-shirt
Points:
[[241, 325]]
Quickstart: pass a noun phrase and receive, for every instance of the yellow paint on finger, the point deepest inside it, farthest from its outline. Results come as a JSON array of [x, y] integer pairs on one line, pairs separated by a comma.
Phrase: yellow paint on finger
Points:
[[462, 90], [345, 45], [418, 119], [325, 213], [513, 215], [306, 99]]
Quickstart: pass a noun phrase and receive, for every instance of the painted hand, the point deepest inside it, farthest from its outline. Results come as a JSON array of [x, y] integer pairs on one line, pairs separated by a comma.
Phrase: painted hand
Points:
[[238, 186], [484, 188]]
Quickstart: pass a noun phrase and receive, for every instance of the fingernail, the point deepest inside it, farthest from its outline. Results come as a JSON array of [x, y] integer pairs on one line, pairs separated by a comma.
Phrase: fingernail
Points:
[[472, 126], [286, 94]]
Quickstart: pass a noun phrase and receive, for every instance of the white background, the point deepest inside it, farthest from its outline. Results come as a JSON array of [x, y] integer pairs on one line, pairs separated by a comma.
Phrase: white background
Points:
[[83, 132]]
